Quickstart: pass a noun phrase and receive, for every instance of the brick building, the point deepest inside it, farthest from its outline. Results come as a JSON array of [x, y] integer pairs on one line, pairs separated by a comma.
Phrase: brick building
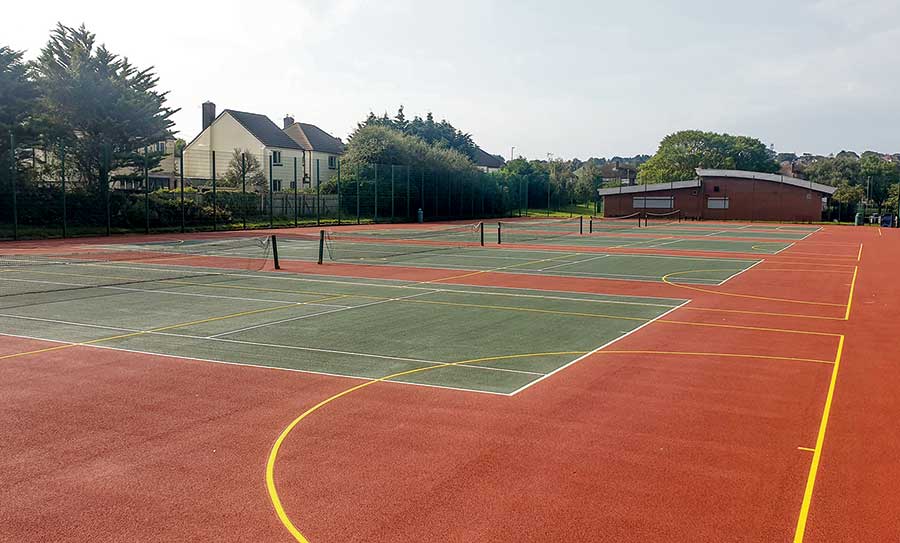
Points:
[[724, 195]]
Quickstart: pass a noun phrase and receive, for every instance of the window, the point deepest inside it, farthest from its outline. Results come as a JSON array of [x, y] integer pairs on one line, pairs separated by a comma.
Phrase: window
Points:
[[716, 188], [161, 147], [276, 185], [293, 185], [653, 202], [717, 203], [276, 158], [332, 162]]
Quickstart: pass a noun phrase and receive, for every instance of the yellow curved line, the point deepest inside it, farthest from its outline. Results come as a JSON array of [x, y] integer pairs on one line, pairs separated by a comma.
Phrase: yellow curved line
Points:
[[276, 447], [665, 279]]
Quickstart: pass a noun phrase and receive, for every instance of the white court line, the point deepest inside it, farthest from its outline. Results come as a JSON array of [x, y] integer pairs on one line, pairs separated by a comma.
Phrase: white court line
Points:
[[730, 277], [715, 233], [156, 291], [301, 317], [665, 243], [573, 262], [241, 342], [784, 249], [257, 366], [416, 287], [607, 344]]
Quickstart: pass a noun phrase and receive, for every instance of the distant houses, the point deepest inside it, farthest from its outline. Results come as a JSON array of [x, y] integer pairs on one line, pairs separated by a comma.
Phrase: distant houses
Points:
[[487, 162], [300, 154]]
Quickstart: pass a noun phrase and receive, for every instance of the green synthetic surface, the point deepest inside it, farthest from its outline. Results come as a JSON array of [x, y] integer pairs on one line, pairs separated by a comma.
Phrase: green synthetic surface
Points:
[[633, 267], [354, 327]]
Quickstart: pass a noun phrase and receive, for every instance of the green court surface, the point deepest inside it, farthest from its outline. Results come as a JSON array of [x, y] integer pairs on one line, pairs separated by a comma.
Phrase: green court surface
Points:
[[636, 267], [506, 338], [673, 242]]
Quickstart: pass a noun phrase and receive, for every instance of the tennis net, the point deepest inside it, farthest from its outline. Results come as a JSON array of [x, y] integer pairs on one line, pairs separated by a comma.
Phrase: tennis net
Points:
[[537, 229], [29, 272], [625, 221], [390, 244], [658, 219]]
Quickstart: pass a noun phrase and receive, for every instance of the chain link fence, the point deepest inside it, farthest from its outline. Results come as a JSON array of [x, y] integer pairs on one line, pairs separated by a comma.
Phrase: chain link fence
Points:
[[47, 191]]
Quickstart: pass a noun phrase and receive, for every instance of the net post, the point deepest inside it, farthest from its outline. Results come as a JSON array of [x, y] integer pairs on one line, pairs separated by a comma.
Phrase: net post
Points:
[[581, 224], [275, 252], [499, 235], [481, 231], [321, 246], [591, 225]]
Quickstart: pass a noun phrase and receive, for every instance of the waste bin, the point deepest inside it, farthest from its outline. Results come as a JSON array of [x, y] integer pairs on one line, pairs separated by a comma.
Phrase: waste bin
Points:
[[420, 215], [858, 221]]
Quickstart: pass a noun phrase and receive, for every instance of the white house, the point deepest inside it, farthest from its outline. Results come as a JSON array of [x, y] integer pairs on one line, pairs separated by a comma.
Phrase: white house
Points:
[[487, 162], [323, 151], [251, 133]]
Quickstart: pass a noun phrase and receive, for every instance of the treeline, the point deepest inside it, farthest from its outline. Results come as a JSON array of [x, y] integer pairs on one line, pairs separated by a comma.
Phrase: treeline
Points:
[[80, 104]]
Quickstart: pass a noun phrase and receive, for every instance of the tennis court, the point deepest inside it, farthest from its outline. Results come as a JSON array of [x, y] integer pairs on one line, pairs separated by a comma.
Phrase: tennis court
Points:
[[319, 324], [418, 385]]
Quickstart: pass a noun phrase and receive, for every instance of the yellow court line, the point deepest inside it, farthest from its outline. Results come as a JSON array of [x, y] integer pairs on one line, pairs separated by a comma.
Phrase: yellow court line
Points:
[[526, 310], [479, 272], [859, 254], [879, 230], [767, 313], [45, 350], [759, 268], [162, 328], [276, 447], [665, 279], [818, 264], [850, 296], [817, 256], [758, 328], [807, 449], [723, 355], [817, 452]]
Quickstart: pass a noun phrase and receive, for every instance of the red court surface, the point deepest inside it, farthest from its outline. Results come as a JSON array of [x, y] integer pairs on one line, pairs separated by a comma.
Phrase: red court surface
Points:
[[763, 410]]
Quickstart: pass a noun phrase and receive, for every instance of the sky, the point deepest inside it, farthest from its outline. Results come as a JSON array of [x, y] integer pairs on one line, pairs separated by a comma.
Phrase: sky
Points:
[[569, 78]]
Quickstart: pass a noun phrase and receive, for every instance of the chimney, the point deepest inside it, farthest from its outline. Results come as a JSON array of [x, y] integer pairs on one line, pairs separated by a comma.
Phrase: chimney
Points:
[[288, 121], [209, 114]]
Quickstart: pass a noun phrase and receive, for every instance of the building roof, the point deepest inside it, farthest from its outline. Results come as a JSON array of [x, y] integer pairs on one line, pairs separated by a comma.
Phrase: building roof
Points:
[[262, 129], [633, 189], [734, 174], [312, 138], [487, 160], [773, 177]]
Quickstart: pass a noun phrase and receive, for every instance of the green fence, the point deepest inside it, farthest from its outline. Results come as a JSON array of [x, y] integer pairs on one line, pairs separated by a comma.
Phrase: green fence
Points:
[[42, 195]]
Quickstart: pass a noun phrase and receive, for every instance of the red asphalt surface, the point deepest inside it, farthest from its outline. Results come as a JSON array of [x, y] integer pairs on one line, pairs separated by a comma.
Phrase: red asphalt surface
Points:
[[103, 445]]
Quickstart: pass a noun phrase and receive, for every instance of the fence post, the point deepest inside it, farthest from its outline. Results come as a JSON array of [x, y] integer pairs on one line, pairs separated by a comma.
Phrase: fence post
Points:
[[318, 196], [146, 194], [393, 195], [296, 218], [357, 192], [408, 194], [215, 196], [244, 189], [340, 203], [181, 184], [12, 180], [376, 192], [271, 192], [422, 188], [104, 178], [62, 178]]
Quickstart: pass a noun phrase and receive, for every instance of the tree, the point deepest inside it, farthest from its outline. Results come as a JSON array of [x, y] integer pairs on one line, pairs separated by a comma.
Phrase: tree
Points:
[[244, 163], [878, 175], [590, 176], [17, 97], [847, 194], [681, 153], [94, 100], [442, 134]]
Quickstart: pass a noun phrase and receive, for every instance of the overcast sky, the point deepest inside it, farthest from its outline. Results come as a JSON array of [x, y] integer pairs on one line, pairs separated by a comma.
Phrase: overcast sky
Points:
[[572, 78]]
